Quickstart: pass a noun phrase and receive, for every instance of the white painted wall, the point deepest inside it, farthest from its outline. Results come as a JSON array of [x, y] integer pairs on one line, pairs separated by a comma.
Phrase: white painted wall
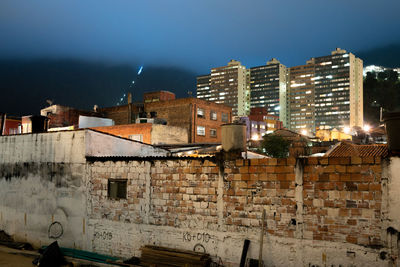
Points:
[[46, 182], [43, 147], [102, 145]]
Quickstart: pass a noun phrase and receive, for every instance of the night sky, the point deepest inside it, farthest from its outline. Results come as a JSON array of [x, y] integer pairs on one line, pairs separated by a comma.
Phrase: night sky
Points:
[[56, 49]]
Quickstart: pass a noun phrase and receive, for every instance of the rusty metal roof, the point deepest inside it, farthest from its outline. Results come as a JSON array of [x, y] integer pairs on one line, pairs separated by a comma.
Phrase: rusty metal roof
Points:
[[346, 149]]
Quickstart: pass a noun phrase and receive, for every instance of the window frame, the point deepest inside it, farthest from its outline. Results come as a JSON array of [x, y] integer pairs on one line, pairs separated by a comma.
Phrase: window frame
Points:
[[201, 113], [215, 135], [204, 130], [119, 182], [227, 117], [213, 113]]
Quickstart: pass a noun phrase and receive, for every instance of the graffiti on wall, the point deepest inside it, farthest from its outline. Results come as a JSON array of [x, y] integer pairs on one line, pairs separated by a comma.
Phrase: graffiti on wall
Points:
[[104, 235]]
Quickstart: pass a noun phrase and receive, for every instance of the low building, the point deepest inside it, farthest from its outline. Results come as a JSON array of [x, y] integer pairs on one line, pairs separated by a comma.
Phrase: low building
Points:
[[62, 116], [202, 119], [34, 124], [149, 133], [255, 130], [10, 125]]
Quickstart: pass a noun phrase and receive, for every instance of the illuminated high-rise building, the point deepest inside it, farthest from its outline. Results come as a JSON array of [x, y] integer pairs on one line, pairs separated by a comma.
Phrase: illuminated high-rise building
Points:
[[227, 85], [338, 90], [268, 84], [203, 87], [302, 98]]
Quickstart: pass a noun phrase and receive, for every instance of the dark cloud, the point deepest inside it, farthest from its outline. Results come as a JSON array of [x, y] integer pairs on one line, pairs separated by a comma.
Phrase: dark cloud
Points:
[[27, 84], [194, 34]]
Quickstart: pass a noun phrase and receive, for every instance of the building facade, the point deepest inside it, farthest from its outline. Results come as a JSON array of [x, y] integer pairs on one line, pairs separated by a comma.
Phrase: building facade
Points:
[[227, 85], [202, 119], [158, 96], [338, 90], [301, 98], [268, 88]]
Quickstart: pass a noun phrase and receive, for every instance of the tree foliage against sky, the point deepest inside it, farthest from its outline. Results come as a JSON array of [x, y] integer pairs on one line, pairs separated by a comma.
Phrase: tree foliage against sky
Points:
[[275, 146], [380, 90]]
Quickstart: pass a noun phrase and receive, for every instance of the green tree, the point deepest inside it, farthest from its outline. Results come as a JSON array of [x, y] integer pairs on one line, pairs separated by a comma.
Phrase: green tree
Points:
[[380, 90], [275, 146]]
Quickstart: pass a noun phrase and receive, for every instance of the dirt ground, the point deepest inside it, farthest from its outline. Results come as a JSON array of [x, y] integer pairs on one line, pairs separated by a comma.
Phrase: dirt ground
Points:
[[9, 259]]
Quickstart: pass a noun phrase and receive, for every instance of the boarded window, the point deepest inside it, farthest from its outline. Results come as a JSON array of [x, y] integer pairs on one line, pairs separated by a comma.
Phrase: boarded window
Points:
[[117, 188]]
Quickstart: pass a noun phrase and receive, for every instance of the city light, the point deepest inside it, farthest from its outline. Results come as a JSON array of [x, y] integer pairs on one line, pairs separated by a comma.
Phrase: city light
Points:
[[346, 130], [304, 132], [255, 137], [366, 128]]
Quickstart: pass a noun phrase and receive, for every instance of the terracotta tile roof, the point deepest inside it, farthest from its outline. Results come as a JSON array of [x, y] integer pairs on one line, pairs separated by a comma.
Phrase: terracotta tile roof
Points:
[[346, 149]]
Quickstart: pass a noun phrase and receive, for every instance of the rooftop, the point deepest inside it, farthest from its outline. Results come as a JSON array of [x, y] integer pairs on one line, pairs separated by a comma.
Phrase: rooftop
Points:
[[347, 149]]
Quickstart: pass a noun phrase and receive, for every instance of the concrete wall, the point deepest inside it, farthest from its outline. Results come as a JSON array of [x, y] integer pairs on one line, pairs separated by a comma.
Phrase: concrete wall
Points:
[[151, 133], [43, 180], [164, 134], [100, 145]]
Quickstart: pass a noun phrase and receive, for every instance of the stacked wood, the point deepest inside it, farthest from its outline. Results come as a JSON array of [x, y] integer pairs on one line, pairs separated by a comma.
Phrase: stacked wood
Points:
[[168, 257]]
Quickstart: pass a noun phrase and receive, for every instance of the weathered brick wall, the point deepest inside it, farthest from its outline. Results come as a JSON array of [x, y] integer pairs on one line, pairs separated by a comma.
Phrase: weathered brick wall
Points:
[[173, 202], [127, 210], [257, 184], [342, 200], [183, 191]]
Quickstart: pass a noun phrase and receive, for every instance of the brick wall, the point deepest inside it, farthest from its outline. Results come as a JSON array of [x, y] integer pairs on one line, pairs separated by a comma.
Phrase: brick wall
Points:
[[317, 199], [342, 200], [183, 113], [129, 129]]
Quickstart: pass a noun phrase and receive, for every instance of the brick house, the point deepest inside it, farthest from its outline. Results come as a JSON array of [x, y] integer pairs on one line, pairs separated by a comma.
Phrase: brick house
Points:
[[202, 119], [62, 116]]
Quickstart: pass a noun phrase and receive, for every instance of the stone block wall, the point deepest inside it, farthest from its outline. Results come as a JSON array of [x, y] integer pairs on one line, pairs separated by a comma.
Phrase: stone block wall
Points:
[[342, 200], [333, 203]]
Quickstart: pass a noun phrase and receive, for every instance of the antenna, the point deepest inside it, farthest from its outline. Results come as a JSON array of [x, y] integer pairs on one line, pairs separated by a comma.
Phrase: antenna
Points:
[[50, 102]]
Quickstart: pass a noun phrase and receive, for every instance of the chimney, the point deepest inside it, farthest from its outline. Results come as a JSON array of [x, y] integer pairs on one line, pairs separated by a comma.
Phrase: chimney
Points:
[[129, 98]]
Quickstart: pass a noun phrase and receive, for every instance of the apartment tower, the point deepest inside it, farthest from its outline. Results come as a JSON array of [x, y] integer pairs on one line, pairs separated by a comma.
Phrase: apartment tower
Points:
[[301, 98], [338, 90], [227, 85], [268, 84]]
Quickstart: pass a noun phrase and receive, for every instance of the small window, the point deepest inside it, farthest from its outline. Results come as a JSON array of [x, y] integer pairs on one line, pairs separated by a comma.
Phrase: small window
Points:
[[213, 115], [201, 130], [213, 132], [224, 117], [136, 137], [117, 188], [200, 113]]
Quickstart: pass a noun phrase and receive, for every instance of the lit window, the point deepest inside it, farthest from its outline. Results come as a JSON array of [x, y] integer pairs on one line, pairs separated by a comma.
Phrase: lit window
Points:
[[200, 113], [213, 115], [201, 130]]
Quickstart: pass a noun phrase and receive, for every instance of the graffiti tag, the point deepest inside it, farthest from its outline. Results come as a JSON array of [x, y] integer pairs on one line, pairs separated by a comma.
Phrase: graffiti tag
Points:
[[199, 237], [103, 235]]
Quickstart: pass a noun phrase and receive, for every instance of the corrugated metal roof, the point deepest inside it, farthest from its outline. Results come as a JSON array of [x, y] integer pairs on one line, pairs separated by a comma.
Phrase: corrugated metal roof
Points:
[[346, 149]]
